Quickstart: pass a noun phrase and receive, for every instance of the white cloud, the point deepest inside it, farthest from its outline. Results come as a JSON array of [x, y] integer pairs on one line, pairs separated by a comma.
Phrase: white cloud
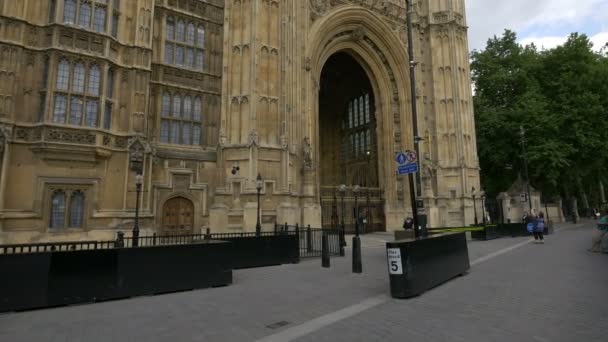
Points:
[[538, 20], [549, 42]]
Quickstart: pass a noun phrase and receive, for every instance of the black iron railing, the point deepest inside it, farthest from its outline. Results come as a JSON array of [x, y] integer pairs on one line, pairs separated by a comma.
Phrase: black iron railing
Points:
[[310, 241], [55, 246]]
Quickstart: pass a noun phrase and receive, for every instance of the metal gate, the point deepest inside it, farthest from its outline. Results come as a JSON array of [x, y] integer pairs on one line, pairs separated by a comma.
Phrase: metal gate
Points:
[[337, 207]]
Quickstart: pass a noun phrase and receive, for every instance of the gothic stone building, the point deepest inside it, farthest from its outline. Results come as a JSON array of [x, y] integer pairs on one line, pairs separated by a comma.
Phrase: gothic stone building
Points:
[[201, 96]]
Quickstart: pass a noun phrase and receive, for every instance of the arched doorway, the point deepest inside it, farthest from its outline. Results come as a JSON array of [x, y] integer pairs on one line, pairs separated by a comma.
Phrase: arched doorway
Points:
[[178, 217], [348, 145]]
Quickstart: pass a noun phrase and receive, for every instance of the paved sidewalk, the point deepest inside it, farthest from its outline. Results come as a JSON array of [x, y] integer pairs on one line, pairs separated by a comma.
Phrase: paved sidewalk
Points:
[[552, 292]]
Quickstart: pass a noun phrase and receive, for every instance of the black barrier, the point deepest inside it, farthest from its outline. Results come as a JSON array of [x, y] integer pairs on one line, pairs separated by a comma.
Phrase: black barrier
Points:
[[488, 232], [417, 265], [60, 278], [248, 252]]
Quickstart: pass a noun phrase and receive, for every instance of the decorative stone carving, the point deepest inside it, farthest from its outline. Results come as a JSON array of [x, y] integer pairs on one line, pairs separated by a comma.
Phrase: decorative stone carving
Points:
[[222, 138], [5, 136], [137, 151], [358, 33], [307, 153], [318, 8], [284, 142], [253, 139]]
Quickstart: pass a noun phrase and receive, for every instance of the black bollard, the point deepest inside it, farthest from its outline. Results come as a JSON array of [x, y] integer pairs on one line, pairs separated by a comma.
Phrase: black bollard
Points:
[[208, 234], [276, 228], [357, 266], [154, 239], [342, 241], [324, 251]]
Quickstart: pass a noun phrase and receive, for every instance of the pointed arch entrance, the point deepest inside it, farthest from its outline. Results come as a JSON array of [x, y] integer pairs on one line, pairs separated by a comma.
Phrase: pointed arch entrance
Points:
[[379, 51], [348, 146], [178, 217]]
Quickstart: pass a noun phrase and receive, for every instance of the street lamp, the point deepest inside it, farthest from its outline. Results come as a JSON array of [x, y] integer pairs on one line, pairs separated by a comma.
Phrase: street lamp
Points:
[[138, 181], [522, 133], [357, 267], [342, 191], [356, 190], [483, 207], [474, 204], [258, 185]]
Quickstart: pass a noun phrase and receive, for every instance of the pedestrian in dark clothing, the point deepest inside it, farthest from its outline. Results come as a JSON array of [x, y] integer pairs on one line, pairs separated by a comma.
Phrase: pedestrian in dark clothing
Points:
[[539, 228]]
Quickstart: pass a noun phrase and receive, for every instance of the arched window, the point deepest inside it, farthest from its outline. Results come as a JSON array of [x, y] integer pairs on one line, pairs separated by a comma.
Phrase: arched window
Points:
[[187, 108], [190, 34], [92, 110], [76, 105], [69, 12], [170, 31], [76, 210], [58, 209], [200, 37], [63, 75], [177, 104], [110, 84], [164, 131], [78, 80], [84, 18], [175, 132], [197, 109], [361, 112], [99, 23], [94, 80], [180, 31], [186, 133], [179, 55], [199, 59], [166, 105], [60, 108], [189, 58], [367, 109]]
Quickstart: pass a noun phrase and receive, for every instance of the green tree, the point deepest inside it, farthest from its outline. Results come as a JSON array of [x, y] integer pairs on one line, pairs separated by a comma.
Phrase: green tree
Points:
[[560, 98]]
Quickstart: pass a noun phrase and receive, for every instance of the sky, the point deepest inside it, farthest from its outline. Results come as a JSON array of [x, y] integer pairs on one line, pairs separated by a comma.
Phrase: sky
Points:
[[547, 23]]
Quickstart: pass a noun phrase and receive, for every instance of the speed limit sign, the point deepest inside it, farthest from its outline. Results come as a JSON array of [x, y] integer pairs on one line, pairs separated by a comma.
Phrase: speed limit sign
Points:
[[394, 261]]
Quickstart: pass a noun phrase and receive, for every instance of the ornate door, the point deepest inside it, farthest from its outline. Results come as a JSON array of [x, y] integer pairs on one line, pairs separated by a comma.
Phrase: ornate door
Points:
[[178, 217]]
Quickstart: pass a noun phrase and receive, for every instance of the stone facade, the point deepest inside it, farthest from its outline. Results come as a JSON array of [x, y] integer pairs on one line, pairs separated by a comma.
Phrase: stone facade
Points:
[[202, 95]]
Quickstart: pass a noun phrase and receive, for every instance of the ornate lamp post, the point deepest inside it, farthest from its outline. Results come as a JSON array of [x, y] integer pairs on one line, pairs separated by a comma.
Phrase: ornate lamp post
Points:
[[483, 207], [522, 133], [138, 181], [474, 204], [357, 267], [342, 191], [258, 185]]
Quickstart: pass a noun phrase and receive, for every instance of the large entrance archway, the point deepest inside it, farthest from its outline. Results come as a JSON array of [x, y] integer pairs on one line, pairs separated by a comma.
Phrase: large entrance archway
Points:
[[348, 146]]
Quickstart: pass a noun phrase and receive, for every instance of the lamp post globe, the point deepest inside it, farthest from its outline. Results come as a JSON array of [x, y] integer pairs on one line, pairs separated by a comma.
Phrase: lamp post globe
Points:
[[258, 186]]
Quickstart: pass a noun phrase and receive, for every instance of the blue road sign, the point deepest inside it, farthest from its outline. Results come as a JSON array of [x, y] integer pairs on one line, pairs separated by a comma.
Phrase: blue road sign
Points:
[[408, 168], [407, 163], [401, 158]]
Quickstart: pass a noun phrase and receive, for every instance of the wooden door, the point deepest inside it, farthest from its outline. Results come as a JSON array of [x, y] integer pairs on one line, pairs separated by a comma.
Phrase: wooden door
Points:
[[178, 217]]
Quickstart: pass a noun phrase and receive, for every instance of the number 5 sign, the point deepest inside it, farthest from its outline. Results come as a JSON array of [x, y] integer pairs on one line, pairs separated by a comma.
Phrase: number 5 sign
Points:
[[394, 261]]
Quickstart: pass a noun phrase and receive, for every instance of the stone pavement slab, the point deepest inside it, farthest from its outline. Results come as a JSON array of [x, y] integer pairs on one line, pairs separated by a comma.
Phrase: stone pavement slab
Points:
[[552, 292]]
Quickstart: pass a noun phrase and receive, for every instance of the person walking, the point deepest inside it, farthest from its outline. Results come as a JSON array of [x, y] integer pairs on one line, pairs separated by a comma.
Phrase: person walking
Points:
[[539, 228]]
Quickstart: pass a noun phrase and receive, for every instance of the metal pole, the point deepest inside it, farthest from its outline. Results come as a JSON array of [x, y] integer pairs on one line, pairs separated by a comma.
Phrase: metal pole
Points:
[[475, 207], [258, 227], [523, 146], [483, 209], [414, 191], [136, 225]]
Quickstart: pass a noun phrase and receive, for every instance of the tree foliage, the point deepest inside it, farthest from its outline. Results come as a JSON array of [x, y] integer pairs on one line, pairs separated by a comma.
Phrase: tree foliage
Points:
[[559, 97]]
